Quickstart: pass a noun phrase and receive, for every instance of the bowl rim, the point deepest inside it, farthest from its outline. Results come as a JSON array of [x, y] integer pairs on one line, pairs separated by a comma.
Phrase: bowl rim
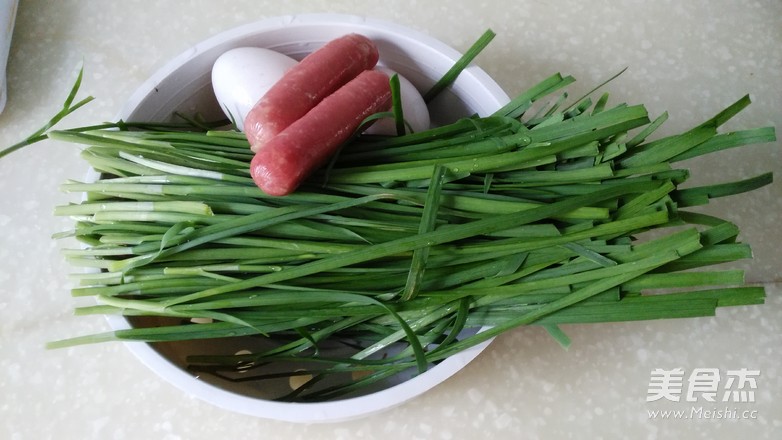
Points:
[[318, 412]]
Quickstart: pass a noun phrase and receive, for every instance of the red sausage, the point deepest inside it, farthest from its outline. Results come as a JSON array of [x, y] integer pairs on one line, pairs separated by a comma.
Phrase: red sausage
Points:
[[291, 156], [317, 76]]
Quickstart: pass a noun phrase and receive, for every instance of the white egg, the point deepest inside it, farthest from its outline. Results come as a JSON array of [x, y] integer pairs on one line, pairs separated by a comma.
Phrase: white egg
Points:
[[414, 108], [241, 76]]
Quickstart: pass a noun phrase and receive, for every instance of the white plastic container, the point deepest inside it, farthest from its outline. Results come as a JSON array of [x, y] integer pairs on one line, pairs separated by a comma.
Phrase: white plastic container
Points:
[[7, 19], [184, 85]]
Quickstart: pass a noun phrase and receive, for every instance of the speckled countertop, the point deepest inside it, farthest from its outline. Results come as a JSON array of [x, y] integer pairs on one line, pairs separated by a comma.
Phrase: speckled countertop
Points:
[[690, 58]]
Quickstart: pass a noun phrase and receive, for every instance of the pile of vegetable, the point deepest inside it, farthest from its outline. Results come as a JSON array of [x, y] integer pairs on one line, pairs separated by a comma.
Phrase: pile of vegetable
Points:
[[402, 247]]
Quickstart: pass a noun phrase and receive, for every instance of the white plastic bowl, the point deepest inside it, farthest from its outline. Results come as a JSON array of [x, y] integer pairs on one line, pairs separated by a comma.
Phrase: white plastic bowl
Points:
[[184, 85]]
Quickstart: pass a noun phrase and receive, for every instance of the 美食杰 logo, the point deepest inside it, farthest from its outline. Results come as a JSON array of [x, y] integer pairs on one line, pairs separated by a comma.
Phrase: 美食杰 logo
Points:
[[703, 383], [702, 387]]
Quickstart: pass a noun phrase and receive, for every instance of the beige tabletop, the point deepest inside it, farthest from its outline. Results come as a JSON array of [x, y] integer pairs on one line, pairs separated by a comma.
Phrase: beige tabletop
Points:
[[691, 58]]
